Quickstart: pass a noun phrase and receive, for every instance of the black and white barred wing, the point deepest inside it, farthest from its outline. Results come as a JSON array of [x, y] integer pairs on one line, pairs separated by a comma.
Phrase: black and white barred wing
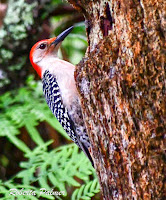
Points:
[[73, 124], [54, 101]]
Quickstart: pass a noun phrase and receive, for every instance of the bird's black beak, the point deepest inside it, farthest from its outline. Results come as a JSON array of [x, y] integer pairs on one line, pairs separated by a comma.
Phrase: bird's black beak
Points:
[[62, 36]]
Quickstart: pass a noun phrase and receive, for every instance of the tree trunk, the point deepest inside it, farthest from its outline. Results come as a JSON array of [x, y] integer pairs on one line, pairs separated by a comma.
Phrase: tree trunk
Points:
[[121, 86]]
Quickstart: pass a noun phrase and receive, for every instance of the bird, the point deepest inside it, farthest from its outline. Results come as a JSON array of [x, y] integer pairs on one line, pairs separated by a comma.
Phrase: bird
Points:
[[59, 88]]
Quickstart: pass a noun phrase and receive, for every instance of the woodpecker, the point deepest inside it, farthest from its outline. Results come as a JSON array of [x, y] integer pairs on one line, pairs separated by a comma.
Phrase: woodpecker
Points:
[[59, 88]]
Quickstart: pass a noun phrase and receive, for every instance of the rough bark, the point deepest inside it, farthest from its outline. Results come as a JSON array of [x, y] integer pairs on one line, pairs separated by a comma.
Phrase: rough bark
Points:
[[121, 82]]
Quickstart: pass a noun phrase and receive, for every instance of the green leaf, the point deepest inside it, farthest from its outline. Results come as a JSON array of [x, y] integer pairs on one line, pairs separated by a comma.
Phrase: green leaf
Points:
[[7, 127], [34, 134], [43, 182], [86, 191], [18, 143]]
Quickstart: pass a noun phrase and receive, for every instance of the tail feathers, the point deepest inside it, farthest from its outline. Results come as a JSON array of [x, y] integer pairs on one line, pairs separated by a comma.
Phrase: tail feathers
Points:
[[87, 153], [82, 145]]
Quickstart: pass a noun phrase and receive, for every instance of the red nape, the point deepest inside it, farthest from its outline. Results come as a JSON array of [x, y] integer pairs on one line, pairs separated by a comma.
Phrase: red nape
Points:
[[35, 66]]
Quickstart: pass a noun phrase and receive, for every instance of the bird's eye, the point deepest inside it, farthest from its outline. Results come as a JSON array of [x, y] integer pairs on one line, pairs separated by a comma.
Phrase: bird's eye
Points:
[[42, 46]]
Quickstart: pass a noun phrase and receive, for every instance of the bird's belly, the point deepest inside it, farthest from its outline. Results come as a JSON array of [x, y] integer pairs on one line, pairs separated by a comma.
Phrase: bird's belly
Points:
[[68, 93]]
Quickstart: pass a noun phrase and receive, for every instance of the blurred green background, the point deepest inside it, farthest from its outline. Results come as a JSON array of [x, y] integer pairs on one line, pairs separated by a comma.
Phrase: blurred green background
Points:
[[35, 152]]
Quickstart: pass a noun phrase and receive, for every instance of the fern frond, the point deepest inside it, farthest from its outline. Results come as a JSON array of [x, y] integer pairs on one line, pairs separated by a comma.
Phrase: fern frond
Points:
[[59, 169], [7, 127], [86, 191], [62, 168]]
